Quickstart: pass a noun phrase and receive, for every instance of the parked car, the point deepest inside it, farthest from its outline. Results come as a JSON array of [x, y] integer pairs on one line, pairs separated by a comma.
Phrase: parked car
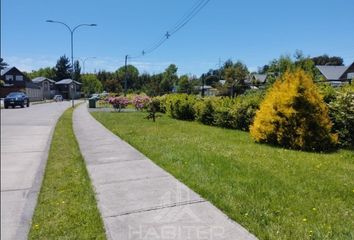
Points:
[[58, 98], [14, 99], [95, 96]]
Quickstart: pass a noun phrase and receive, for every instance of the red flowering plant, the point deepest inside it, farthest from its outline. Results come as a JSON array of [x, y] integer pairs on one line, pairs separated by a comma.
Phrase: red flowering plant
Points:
[[141, 102], [119, 103]]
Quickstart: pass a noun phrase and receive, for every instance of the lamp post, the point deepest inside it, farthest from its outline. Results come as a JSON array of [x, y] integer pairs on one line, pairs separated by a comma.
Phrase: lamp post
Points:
[[84, 61], [72, 30]]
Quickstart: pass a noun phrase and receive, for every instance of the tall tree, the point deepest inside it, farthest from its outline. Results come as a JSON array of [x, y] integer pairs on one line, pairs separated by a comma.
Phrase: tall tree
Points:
[[132, 76], [235, 78], [170, 79], [3, 64], [63, 69], [326, 60], [184, 85], [77, 71], [91, 84]]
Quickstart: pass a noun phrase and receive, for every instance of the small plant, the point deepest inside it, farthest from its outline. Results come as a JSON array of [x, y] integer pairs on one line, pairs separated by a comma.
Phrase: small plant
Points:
[[152, 108], [119, 103]]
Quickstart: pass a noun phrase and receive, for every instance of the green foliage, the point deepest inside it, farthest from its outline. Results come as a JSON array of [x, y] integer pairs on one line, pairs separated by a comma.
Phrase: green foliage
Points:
[[180, 106], [77, 71], [3, 64], [342, 115], [91, 84], [204, 111], [62, 69], [43, 72], [184, 85], [153, 108], [328, 92], [244, 109], [293, 115]]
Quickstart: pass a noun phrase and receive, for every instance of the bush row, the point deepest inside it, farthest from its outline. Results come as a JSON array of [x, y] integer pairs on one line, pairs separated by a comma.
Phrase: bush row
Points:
[[296, 114], [224, 112]]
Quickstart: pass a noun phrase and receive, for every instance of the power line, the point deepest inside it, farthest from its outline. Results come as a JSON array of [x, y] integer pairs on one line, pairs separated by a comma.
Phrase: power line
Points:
[[197, 7]]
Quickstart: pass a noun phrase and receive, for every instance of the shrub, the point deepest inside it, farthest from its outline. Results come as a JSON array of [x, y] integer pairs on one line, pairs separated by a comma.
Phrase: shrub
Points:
[[162, 103], [328, 92], [119, 102], [222, 114], [342, 115], [140, 102], [294, 115], [180, 106], [244, 109], [204, 111], [152, 109]]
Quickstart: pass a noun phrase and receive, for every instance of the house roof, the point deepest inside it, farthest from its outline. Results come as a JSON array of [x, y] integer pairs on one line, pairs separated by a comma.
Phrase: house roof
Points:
[[41, 79], [332, 72], [260, 77], [66, 81]]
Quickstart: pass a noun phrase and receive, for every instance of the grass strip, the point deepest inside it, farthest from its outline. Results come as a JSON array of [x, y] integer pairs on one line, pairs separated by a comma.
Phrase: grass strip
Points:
[[66, 207], [273, 192]]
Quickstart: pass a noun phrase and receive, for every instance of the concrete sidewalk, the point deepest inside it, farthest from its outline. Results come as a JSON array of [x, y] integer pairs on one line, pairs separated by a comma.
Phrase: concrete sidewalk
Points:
[[139, 200]]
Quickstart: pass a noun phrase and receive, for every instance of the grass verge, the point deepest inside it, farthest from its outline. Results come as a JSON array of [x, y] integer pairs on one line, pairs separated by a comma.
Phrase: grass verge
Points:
[[273, 192], [66, 207]]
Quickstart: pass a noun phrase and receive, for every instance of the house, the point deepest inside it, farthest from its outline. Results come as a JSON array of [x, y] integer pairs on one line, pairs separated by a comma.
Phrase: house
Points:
[[47, 86], [209, 91], [68, 88], [258, 79], [16, 81], [337, 75]]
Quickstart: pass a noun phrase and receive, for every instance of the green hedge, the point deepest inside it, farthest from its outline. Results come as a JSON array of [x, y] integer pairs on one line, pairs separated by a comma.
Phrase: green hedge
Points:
[[216, 111]]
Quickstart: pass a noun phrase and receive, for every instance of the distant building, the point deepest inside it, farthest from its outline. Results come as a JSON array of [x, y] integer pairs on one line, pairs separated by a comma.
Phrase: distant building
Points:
[[209, 91], [47, 86], [68, 88], [337, 75], [16, 81]]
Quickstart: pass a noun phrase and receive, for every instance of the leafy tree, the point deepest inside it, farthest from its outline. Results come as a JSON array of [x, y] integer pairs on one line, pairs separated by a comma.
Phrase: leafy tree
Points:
[[132, 75], [235, 78], [3, 64], [47, 72], [91, 84], [77, 71], [170, 78], [184, 85], [326, 60], [294, 115], [62, 69], [153, 87]]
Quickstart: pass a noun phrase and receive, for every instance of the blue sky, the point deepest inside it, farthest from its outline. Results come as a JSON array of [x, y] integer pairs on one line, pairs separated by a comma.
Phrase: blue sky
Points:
[[253, 31]]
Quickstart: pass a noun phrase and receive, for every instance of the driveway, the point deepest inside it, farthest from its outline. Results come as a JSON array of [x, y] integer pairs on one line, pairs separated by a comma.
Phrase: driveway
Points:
[[25, 141]]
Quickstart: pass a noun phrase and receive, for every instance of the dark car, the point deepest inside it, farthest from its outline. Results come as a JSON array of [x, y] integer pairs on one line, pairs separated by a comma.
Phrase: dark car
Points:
[[16, 99]]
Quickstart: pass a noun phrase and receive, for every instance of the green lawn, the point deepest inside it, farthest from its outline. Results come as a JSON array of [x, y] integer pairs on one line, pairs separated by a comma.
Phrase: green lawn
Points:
[[66, 207], [273, 192]]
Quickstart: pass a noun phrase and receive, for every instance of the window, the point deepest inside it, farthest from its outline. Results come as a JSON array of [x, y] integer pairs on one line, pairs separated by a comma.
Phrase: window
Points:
[[9, 77], [19, 78], [350, 75]]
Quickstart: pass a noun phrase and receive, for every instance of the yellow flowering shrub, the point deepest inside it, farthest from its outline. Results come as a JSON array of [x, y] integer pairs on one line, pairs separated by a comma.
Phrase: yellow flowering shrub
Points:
[[294, 115]]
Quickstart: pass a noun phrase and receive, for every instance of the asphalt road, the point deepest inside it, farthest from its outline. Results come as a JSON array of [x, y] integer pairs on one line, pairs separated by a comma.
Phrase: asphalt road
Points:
[[25, 140]]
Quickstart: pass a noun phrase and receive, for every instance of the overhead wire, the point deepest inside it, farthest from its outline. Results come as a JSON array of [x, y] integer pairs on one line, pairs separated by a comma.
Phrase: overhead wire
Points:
[[187, 17]]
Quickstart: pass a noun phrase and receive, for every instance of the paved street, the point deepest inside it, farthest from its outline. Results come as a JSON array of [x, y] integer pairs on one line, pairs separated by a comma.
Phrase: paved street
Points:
[[25, 141], [139, 200]]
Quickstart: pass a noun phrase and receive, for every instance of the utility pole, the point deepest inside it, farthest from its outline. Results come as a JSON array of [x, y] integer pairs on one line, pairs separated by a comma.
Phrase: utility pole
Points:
[[125, 75]]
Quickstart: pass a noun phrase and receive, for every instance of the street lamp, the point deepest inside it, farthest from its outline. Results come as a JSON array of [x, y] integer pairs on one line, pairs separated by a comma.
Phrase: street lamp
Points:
[[84, 61], [72, 30]]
